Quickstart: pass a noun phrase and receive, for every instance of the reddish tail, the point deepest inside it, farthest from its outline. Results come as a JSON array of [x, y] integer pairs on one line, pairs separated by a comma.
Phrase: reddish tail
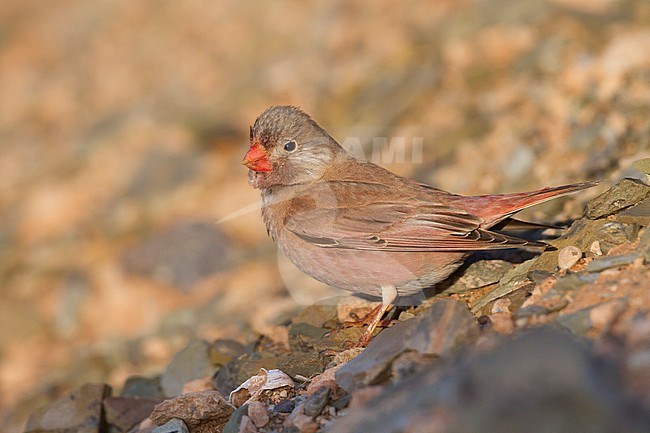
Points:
[[502, 206]]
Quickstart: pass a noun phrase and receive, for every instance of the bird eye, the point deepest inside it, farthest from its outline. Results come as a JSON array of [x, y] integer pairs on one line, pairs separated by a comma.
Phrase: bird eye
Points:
[[290, 146]]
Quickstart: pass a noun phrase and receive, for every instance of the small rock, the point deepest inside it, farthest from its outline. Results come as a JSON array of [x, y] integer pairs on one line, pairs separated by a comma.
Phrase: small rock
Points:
[[258, 414], [568, 256], [285, 406], [202, 412], [480, 274], [143, 387], [80, 411], [637, 214], [317, 401], [325, 379], [231, 375], [172, 426], [515, 279], [191, 363], [595, 248], [441, 328], [317, 314], [264, 380], [342, 402], [302, 363], [246, 425], [501, 318], [611, 262], [127, 412], [626, 193], [304, 423]]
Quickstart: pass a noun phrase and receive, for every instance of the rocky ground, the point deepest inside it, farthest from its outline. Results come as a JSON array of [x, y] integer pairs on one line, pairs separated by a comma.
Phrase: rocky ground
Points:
[[560, 342], [123, 125]]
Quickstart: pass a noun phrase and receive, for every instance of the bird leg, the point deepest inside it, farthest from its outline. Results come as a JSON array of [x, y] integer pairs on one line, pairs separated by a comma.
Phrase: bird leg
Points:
[[388, 295]]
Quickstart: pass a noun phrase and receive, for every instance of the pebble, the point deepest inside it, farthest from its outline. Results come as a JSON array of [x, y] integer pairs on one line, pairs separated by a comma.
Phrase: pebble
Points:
[[258, 414], [611, 262], [172, 426], [595, 248], [285, 406], [568, 256], [317, 401]]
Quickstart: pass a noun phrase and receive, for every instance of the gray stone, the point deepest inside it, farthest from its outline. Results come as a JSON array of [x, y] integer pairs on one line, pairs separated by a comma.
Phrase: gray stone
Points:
[[191, 363], [172, 426], [611, 262], [80, 411], [626, 193], [439, 330], [480, 274], [127, 412], [542, 381], [143, 387], [637, 214], [317, 401], [514, 279]]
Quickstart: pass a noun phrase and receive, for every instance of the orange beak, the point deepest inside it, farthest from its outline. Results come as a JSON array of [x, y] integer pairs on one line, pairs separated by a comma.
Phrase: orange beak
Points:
[[257, 159]]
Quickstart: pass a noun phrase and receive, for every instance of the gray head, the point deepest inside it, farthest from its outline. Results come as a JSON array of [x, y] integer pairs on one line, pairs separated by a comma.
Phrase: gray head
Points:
[[288, 148]]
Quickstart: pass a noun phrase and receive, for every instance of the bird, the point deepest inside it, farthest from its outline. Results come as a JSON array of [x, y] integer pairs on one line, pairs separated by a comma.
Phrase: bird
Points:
[[357, 226]]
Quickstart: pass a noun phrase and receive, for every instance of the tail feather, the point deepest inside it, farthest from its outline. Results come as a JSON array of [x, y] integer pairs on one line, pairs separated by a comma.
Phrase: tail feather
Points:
[[506, 205]]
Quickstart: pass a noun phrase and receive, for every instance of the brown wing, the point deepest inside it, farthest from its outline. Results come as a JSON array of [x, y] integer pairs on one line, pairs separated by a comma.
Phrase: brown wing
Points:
[[349, 215]]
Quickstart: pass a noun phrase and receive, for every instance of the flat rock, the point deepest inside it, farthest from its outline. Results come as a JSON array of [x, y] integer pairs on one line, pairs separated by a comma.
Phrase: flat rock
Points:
[[143, 387], [80, 411], [317, 314], [127, 412], [303, 363], [637, 214], [193, 362], [440, 329], [626, 193], [205, 411], [601, 264], [480, 274], [514, 279]]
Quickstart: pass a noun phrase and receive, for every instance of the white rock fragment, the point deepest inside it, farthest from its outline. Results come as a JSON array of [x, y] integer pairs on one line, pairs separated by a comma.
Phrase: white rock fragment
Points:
[[595, 248], [568, 256], [265, 380]]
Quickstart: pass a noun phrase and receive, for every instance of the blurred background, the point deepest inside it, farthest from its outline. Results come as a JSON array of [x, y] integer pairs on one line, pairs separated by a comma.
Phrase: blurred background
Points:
[[123, 124]]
